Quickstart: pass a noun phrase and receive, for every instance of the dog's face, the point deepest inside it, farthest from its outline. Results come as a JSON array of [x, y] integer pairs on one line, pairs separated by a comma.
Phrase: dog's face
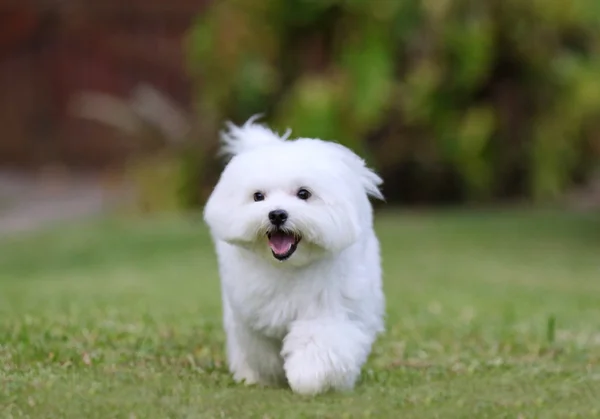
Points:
[[296, 201]]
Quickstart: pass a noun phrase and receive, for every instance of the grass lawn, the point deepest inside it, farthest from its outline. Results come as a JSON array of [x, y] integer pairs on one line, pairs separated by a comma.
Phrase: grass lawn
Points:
[[489, 315]]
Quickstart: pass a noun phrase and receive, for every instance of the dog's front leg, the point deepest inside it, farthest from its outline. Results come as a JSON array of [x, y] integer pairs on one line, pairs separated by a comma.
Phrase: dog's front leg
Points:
[[324, 354], [253, 359]]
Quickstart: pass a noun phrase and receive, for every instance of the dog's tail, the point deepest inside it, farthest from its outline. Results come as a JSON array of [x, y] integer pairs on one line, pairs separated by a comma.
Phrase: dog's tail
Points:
[[251, 135]]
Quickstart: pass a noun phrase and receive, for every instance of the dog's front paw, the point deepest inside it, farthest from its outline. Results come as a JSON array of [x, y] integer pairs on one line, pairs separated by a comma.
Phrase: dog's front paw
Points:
[[324, 355], [310, 371], [246, 376], [303, 379]]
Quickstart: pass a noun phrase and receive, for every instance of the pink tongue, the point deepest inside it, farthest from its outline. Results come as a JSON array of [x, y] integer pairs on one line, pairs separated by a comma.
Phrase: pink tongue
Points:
[[281, 243]]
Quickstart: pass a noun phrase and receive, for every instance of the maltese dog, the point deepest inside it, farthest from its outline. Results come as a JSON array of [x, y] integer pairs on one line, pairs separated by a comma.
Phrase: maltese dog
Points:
[[298, 260]]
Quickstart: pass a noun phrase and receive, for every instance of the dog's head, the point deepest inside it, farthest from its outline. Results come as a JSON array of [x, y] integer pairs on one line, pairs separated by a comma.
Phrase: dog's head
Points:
[[290, 200]]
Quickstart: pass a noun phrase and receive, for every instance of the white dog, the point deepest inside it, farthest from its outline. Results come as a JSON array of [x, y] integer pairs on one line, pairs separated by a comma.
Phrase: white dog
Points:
[[298, 259]]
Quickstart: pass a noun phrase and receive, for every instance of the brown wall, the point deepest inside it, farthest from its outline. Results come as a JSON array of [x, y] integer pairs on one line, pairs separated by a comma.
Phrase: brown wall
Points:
[[48, 55]]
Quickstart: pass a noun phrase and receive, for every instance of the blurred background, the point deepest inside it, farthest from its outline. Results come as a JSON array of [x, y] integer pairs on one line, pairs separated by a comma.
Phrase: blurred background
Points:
[[118, 104]]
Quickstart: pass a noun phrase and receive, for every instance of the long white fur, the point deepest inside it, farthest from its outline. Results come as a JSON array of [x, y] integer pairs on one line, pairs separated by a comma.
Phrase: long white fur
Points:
[[236, 140], [309, 321]]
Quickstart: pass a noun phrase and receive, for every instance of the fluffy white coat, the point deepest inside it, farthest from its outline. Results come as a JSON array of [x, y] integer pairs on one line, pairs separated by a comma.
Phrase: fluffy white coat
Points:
[[311, 319]]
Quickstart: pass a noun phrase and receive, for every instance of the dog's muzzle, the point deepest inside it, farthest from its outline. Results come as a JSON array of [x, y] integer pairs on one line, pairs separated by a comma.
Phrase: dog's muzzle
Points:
[[283, 242]]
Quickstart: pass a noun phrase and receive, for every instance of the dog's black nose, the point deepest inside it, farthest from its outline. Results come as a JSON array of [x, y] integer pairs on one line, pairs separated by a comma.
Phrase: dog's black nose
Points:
[[278, 217]]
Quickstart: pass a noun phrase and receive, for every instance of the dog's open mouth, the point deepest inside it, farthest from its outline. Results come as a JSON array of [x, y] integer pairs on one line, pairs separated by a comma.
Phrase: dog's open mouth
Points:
[[282, 244]]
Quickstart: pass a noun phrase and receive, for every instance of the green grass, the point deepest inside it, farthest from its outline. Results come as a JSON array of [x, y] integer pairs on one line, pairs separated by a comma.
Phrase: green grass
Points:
[[489, 315]]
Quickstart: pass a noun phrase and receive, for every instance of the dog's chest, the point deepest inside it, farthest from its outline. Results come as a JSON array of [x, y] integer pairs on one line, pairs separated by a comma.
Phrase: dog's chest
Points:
[[269, 307]]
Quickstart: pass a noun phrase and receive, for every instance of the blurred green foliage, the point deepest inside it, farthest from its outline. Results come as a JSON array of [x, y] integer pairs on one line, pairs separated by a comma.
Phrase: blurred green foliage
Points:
[[499, 97]]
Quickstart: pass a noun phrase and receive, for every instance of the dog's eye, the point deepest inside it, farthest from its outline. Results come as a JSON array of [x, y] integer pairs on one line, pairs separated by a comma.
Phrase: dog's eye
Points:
[[258, 196], [303, 194]]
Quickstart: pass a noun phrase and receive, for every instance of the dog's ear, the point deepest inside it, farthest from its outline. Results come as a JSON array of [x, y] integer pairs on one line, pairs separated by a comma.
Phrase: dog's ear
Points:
[[370, 180], [236, 140]]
